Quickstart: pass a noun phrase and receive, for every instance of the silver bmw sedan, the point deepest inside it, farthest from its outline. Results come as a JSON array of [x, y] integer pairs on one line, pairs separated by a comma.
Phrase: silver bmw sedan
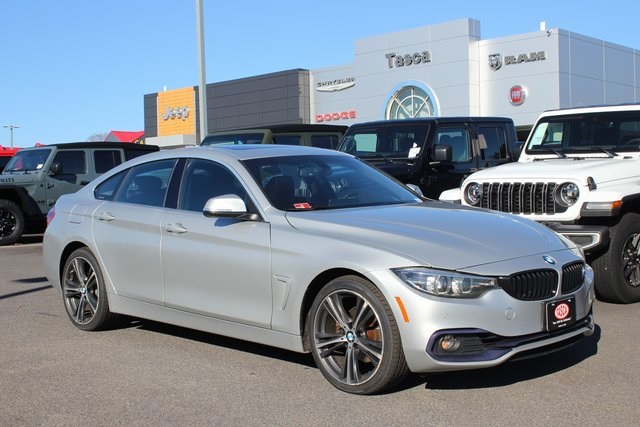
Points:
[[312, 250]]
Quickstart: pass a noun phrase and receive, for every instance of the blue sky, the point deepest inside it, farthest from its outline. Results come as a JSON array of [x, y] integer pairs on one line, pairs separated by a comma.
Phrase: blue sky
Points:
[[70, 69]]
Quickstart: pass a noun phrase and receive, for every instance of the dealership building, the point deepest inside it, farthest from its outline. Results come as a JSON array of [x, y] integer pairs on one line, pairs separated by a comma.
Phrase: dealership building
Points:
[[437, 70]]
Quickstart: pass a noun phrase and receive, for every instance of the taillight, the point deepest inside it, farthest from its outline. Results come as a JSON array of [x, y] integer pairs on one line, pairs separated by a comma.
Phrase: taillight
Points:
[[50, 215]]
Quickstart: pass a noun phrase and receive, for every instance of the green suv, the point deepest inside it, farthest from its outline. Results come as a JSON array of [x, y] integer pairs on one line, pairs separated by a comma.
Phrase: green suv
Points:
[[35, 177]]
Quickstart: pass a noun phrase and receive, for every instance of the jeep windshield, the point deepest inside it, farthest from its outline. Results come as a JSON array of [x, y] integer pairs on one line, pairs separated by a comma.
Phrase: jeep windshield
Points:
[[27, 161], [385, 141], [234, 139], [600, 133]]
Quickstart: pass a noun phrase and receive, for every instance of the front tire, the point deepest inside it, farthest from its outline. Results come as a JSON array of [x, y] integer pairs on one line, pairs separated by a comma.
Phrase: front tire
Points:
[[617, 272], [354, 337], [11, 222], [84, 293]]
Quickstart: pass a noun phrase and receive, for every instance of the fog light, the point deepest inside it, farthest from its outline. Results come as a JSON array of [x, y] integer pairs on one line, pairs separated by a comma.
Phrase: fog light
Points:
[[450, 343]]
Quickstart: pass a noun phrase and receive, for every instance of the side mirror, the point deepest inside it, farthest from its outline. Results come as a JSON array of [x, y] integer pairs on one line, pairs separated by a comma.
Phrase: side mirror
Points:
[[55, 169], [228, 206], [442, 153], [516, 150]]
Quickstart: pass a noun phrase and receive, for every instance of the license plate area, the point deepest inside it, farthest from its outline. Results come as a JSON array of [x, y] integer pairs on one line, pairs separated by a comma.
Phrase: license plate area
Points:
[[560, 314]]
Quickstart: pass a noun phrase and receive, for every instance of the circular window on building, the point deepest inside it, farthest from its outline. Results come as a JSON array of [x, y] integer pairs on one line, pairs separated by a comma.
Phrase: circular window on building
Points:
[[410, 102]]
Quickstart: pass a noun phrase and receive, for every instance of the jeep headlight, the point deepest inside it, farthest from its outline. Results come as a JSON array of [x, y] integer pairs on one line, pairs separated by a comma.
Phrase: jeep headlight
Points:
[[567, 194], [473, 193], [445, 283]]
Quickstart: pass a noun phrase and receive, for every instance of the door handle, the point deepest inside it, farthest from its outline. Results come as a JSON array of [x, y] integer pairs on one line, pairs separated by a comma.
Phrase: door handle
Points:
[[106, 217], [176, 228]]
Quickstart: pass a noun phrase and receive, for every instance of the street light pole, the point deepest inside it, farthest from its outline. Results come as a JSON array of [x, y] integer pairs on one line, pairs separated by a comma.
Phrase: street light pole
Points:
[[202, 86], [11, 128]]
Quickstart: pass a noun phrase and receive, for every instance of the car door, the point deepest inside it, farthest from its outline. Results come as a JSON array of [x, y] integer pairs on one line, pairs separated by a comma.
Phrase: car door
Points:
[[446, 175], [74, 174], [218, 267], [127, 227]]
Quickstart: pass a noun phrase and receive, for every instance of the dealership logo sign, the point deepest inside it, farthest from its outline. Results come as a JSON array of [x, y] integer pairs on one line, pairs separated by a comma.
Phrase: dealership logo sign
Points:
[[171, 113], [408, 59], [336, 85], [517, 94], [495, 59], [332, 117]]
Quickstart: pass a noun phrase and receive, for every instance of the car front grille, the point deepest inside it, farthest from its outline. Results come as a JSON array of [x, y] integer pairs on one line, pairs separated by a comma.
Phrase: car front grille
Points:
[[530, 285], [572, 277], [536, 285], [521, 197]]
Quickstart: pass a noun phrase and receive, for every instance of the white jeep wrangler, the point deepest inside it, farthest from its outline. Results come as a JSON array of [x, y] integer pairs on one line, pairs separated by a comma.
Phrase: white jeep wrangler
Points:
[[578, 173]]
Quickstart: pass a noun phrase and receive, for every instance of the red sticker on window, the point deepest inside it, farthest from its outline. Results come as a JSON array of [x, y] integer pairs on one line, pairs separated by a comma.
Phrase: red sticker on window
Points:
[[302, 205]]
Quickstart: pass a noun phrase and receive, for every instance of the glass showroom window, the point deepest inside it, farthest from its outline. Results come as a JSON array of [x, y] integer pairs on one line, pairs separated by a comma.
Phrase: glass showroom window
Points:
[[410, 102]]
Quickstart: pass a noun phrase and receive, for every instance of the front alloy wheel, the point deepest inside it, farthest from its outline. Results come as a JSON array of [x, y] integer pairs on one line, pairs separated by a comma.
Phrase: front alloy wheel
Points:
[[354, 338], [11, 222], [84, 292]]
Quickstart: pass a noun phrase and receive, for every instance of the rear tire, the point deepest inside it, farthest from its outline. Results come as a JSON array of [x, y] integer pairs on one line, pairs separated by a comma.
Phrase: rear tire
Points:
[[84, 293], [354, 337], [11, 222], [617, 272]]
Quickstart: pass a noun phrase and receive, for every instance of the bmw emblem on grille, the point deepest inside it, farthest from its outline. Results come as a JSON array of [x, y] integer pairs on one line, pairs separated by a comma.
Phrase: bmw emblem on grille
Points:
[[548, 259]]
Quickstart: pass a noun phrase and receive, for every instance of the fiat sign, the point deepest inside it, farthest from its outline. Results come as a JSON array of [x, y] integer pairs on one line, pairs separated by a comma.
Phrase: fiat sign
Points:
[[517, 94]]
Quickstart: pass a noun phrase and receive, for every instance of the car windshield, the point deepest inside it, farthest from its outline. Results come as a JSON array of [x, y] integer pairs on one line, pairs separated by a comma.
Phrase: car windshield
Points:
[[606, 133], [325, 182], [397, 140], [234, 139], [28, 160]]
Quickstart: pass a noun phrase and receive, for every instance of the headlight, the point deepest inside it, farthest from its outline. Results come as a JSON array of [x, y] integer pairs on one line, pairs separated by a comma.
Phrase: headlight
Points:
[[567, 194], [473, 193], [445, 283]]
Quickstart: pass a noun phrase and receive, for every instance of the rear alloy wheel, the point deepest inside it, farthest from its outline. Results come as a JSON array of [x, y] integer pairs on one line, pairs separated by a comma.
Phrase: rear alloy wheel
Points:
[[84, 294], [617, 272], [11, 222], [354, 337]]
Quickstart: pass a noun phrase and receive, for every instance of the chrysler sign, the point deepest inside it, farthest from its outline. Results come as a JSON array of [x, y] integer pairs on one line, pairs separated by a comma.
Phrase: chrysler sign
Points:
[[335, 85]]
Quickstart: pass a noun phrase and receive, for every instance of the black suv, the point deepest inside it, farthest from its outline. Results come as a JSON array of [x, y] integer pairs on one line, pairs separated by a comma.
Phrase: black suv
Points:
[[435, 154], [35, 177], [314, 135]]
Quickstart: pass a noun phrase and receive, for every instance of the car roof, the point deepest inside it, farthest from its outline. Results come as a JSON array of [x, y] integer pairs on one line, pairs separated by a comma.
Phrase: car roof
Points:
[[592, 109], [91, 144], [286, 128], [425, 120]]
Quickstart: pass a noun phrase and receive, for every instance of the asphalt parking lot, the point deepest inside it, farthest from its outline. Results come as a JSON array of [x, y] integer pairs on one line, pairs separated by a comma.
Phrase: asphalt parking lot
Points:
[[146, 373]]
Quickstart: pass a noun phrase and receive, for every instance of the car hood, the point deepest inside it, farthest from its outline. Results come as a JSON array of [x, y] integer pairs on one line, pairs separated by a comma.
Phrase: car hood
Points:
[[18, 178], [435, 234], [601, 170]]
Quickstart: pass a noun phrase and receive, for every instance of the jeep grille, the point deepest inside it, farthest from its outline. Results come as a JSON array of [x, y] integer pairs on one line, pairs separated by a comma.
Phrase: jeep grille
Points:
[[521, 198]]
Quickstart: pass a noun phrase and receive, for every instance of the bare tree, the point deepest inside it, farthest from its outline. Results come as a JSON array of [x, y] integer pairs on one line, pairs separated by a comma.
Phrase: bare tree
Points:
[[99, 136]]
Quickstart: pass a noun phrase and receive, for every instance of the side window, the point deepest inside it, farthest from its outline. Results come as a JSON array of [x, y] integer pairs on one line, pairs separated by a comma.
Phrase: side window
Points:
[[325, 141], [73, 163], [458, 139], [492, 143], [107, 189], [147, 184], [204, 179], [286, 139], [106, 160]]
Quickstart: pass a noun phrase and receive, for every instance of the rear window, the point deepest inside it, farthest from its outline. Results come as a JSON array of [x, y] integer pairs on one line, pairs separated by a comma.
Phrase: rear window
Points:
[[400, 140]]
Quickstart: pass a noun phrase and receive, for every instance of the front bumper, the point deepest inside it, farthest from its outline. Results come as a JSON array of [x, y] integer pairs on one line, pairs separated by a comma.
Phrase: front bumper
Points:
[[498, 326]]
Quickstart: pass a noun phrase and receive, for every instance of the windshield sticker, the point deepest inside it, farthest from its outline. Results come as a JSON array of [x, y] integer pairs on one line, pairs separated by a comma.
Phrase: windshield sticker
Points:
[[40, 165], [538, 135], [302, 205], [414, 151]]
